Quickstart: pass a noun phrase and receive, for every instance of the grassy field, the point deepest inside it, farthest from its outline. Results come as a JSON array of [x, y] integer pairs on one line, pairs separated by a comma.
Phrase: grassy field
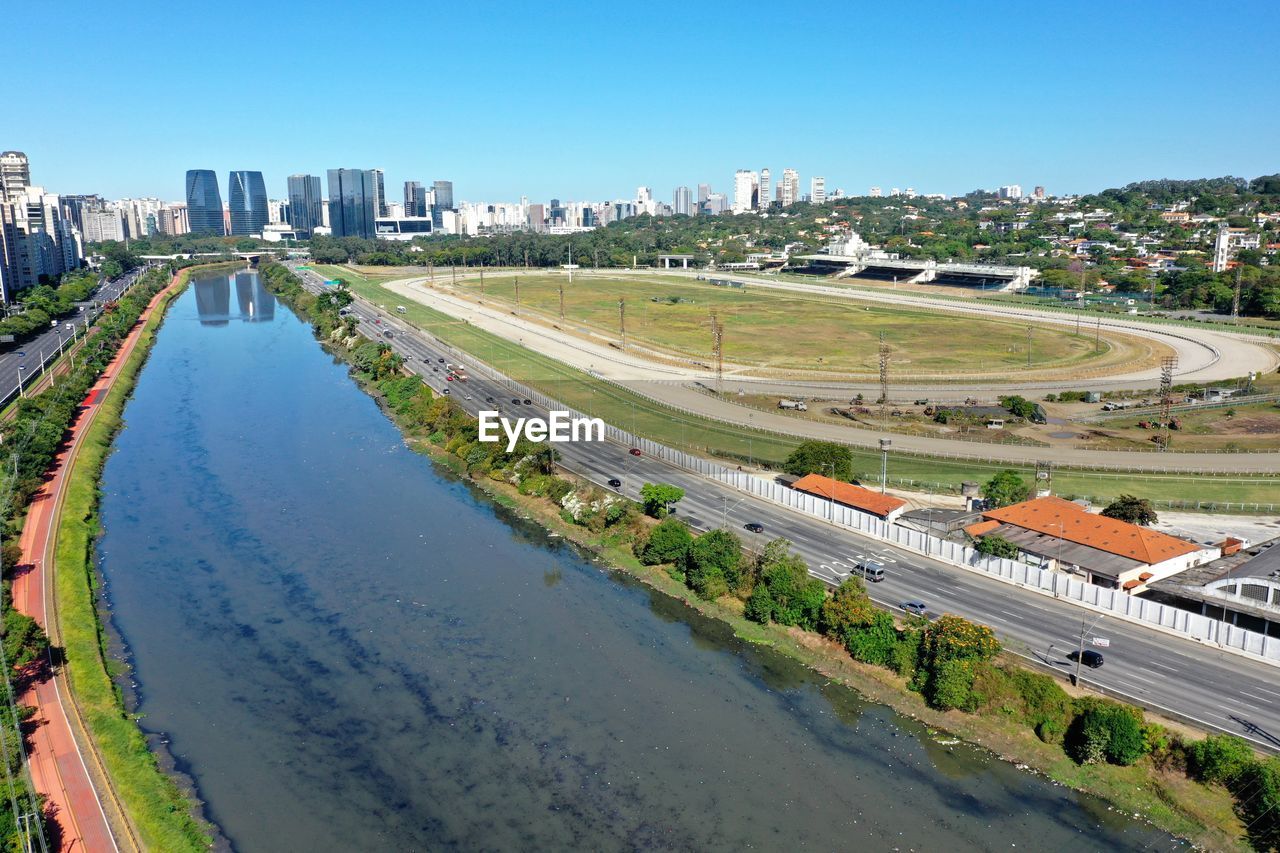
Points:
[[160, 812], [767, 329], [675, 428]]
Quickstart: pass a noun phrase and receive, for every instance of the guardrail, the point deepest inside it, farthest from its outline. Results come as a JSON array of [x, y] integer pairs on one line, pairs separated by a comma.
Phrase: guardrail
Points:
[[1192, 626]]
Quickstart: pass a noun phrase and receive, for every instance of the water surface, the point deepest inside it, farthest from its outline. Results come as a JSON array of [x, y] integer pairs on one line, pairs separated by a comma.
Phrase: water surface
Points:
[[349, 649]]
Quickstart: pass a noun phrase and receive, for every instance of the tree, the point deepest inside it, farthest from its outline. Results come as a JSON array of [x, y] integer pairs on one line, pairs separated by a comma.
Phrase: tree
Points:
[[668, 542], [760, 605], [1107, 731], [821, 457], [711, 563], [1006, 488], [797, 597], [997, 546], [658, 498], [1131, 509]]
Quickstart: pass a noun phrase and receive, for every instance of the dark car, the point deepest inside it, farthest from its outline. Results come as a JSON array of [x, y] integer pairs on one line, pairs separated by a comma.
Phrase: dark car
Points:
[[441, 360], [755, 527], [915, 608], [615, 483], [444, 391], [488, 399], [1089, 658], [635, 451], [515, 401], [527, 403]]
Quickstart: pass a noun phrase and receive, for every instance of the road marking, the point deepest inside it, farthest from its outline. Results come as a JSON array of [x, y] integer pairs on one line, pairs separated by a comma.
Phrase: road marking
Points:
[[1164, 667], [1254, 696], [1014, 615]]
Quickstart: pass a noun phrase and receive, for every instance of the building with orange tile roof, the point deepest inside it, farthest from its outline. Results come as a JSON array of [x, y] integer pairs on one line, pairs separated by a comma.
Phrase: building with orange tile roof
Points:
[[1064, 536], [885, 507]]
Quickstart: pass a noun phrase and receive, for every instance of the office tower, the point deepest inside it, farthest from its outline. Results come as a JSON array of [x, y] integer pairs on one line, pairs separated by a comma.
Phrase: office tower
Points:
[[537, 217], [715, 204], [352, 202], [379, 193], [789, 189], [247, 198], [15, 175], [762, 195], [305, 204], [416, 199], [1038, 192], [443, 194], [704, 190], [682, 204], [817, 190], [204, 202], [744, 190]]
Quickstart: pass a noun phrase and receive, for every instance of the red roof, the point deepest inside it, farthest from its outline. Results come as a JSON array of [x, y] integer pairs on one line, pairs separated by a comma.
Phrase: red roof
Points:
[[848, 494], [981, 528], [1056, 517]]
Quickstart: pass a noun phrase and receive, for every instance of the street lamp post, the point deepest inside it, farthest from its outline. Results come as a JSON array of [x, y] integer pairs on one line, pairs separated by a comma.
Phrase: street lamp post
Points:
[[1075, 679], [831, 494], [21, 391], [885, 444]]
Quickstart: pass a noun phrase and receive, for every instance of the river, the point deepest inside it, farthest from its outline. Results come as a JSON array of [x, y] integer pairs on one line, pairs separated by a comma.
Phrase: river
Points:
[[348, 648]]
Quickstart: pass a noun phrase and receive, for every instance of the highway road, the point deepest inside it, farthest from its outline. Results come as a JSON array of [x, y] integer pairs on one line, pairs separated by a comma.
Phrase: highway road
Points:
[[1167, 674], [27, 359]]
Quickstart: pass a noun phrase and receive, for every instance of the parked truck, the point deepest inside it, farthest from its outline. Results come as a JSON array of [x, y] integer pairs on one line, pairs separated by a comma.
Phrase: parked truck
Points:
[[795, 405]]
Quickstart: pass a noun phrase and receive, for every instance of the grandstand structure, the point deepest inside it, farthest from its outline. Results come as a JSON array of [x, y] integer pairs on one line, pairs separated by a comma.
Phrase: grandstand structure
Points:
[[853, 258]]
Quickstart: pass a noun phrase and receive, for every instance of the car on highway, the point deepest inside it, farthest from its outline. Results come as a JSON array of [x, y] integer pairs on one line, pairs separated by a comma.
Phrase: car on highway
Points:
[[527, 403], [444, 391], [635, 451], [488, 399], [515, 401], [1089, 658], [754, 527], [915, 608], [615, 483], [441, 360]]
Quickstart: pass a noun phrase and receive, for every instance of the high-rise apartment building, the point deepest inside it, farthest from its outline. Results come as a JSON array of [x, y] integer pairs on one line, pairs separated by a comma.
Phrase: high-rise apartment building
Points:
[[353, 202], [173, 220], [1011, 191], [875, 192], [247, 197], [306, 204], [817, 189], [745, 186], [762, 190], [416, 199], [790, 187], [682, 202], [704, 190], [204, 202], [15, 176], [379, 193]]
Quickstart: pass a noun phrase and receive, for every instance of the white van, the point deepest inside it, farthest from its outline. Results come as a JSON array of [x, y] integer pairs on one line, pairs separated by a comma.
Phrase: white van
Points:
[[871, 571]]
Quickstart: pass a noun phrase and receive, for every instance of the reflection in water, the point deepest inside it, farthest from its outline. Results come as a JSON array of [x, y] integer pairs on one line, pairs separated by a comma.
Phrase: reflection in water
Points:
[[213, 299], [257, 305]]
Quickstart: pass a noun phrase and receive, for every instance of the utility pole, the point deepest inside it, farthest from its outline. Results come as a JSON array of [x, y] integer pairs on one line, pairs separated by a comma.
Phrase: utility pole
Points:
[[1029, 329], [526, 258], [1235, 296], [1167, 366], [622, 321], [517, 290], [562, 301], [453, 269], [1097, 337], [1075, 679], [884, 380], [717, 349]]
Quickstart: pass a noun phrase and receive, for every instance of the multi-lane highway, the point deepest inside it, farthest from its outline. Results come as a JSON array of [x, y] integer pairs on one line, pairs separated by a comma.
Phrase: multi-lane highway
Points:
[[27, 360], [1178, 677]]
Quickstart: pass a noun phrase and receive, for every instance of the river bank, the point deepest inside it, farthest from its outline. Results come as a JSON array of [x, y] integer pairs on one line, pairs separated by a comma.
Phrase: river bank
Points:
[[1163, 797], [163, 816]]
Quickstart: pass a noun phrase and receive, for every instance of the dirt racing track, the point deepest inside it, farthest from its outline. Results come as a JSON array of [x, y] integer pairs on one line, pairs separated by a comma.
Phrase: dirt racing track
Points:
[[1204, 356]]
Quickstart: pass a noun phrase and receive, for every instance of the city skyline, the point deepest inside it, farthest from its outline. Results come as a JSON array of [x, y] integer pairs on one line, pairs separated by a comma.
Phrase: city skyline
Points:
[[964, 123]]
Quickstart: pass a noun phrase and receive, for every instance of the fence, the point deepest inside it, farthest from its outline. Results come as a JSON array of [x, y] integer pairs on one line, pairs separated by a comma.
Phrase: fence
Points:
[[1112, 601]]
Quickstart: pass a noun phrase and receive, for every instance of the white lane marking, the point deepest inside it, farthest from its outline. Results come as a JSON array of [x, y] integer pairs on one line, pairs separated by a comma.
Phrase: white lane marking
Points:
[[1163, 666], [1014, 615], [1254, 696]]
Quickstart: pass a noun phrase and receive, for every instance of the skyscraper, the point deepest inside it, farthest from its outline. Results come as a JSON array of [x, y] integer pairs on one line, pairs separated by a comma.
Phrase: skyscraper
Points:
[[443, 200], [379, 193], [415, 199], [817, 190], [204, 202], [305, 204], [247, 197], [789, 188], [745, 184], [682, 203], [704, 190], [15, 175], [762, 192], [353, 202]]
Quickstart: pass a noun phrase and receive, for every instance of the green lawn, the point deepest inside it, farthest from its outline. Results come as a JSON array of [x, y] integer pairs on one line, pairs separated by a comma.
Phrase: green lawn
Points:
[[675, 428]]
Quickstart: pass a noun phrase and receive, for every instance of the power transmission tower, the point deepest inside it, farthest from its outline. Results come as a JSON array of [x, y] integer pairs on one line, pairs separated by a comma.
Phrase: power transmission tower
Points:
[[1029, 330], [1167, 365], [884, 379], [622, 321], [717, 349]]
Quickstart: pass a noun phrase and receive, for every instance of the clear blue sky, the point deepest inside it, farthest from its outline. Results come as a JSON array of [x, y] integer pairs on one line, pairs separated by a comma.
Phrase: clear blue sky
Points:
[[590, 100]]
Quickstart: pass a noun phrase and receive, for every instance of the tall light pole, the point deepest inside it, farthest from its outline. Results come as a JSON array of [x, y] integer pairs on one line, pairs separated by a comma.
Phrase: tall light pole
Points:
[[1080, 648], [885, 444]]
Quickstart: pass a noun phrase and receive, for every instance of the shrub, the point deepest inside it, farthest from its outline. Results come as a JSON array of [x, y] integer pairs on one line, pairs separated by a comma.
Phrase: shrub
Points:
[[874, 642], [1258, 803], [950, 686], [1106, 731], [906, 653], [760, 605], [994, 690], [711, 563], [1219, 759], [668, 542], [1045, 705]]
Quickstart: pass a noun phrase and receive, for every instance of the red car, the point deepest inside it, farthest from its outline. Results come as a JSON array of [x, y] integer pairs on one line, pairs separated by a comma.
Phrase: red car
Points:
[[449, 378], [635, 451]]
